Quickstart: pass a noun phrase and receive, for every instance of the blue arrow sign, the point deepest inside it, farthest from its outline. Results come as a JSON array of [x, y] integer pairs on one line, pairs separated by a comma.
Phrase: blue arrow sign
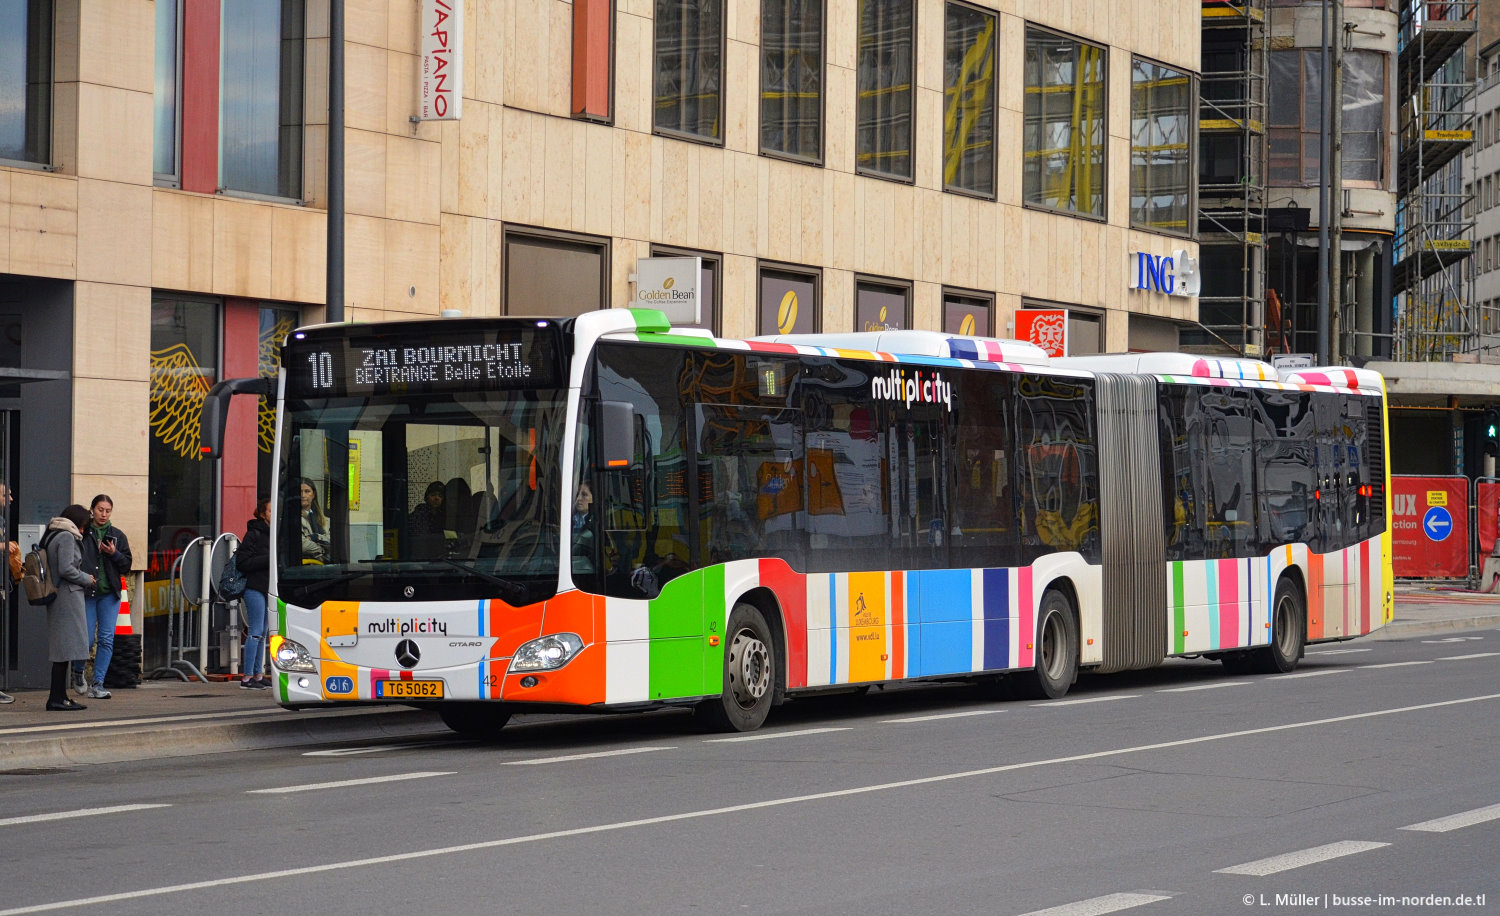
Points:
[[1437, 524]]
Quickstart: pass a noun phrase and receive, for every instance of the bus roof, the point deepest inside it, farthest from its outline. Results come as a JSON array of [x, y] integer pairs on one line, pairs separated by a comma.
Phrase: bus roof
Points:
[[922, 343], [1187, 366]]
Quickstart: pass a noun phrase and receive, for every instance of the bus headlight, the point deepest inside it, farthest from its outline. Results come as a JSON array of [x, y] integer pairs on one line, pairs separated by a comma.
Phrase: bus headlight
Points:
[[547, 653], [288, 655]]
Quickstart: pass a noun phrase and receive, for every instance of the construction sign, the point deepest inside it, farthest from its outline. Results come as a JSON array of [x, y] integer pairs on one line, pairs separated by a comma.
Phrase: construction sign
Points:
[[1430, 527]]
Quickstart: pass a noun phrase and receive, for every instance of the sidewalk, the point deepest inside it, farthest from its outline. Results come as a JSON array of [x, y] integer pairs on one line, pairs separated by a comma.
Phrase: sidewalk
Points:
[[173, 718]]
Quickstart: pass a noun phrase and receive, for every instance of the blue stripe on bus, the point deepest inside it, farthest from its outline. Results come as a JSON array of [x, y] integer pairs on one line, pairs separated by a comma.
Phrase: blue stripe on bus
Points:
[[996, 618], [484, 693], [945, 616], [833, 629], [1211, 576]]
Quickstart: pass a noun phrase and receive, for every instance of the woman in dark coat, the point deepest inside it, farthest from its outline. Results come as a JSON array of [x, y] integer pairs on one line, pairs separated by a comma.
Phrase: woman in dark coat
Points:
[[253, 560], [67, 634]]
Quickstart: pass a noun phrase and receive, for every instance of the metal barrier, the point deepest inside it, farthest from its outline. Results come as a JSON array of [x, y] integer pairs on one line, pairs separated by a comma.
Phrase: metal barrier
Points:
[[186, 596], [224, 547]]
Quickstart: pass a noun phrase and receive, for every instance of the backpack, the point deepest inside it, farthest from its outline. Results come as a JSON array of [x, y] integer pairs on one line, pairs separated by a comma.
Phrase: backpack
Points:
[[36, 579], [232, 582]]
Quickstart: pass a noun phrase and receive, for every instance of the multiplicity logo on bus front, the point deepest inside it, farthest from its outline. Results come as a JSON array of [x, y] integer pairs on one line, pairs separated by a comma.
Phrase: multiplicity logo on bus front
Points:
[[916, 387]]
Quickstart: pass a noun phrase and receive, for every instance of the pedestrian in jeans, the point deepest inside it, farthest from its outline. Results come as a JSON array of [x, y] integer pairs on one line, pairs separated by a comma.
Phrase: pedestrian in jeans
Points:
[[106, 556], [67, 640], [253, 560]]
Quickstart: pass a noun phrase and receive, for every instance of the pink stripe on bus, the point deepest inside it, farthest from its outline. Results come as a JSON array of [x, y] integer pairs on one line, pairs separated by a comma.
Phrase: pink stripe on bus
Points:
[[1026, 613], [1229, 603]]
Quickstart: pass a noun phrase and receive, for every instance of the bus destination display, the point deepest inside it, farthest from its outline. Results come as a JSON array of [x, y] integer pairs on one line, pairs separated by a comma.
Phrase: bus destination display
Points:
[[486, 360]]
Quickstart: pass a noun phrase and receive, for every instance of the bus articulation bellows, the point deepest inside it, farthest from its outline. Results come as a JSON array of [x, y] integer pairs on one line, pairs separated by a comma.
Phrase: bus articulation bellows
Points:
[[603, 512]]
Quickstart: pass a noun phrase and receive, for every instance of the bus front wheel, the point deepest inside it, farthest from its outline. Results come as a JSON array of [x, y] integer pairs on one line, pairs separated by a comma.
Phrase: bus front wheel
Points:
[[475, 720], [1056, 644], [749, 674]]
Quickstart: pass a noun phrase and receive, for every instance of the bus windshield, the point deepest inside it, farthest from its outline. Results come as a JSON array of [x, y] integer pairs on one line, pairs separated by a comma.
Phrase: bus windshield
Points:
[[427, 497]]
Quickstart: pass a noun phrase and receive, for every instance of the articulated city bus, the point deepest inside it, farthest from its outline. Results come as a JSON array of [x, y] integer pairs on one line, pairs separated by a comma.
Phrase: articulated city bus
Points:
[[488, 516]]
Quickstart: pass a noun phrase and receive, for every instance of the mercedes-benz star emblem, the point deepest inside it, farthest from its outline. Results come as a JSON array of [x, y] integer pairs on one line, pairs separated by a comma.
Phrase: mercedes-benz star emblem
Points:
[[407, 653], [409, 591]]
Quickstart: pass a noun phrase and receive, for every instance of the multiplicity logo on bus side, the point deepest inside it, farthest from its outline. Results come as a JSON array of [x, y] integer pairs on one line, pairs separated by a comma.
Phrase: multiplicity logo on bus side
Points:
[[915, 387]]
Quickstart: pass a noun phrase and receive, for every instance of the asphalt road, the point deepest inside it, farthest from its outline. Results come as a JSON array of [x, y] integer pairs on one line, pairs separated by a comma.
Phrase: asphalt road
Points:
[[1373, 770]]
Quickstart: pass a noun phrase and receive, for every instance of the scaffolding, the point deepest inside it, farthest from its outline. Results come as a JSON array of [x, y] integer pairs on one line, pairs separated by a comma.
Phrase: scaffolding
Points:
[[1437, 317], [1231, 209]]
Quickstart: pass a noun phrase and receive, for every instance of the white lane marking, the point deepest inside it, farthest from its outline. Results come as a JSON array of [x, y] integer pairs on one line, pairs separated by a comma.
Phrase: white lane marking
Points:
[[1455, 821], [1398, 664], [81, 812], [619, 753], [768, 735], [1213, 686], [1335, 651], [1433, 642], [375, 749], [943, 715], [417, 854], [1098, 906], [1275, 864], [343, 783], [151, 720], [1318, 673], [1080, 702], [1459, 658]]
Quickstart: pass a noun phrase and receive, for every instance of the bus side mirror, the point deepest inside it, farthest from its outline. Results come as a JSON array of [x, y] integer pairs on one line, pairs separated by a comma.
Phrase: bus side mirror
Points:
[[616, 440], [215, 412]]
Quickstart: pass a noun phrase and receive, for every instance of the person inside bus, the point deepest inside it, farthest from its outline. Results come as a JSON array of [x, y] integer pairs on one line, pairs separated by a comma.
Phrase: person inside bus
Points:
[[458, 513], [428, 523], [583, 530], [314, 524]]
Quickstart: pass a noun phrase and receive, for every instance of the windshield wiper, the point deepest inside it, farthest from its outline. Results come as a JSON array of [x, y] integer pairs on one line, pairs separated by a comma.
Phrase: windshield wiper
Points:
[[515, 592], [321, 584]]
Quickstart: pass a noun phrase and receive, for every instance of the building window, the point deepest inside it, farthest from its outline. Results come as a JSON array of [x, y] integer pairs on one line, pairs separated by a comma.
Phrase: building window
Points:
[[555, 274], [969, 100], [260, 97], [184, 365], [1363, 126], [789, 300], [967, 313], [1064, 131], [882, 305], [709, 297], [1085, 333], [884, 87], [26, 80], [1295, 116], [166, 93], [690, 68], [1161, 135], [593, 53], [791, 79]]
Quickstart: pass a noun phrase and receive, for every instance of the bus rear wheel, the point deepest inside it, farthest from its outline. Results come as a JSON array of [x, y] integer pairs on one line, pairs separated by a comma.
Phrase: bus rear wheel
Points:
[[749, 675], [482, 721], [1288, 636], [1056, 649]]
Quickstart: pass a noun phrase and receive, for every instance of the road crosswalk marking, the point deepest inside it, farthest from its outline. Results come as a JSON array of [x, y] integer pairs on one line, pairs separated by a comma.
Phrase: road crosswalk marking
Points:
[[1098, 906], [1302, 857], [81, 812], [1455, 821], [621, 752], [344, 783]]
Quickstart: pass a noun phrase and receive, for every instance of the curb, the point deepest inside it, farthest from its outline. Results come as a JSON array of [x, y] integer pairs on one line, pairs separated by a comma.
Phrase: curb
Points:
[[124, 743], [1397, 629]]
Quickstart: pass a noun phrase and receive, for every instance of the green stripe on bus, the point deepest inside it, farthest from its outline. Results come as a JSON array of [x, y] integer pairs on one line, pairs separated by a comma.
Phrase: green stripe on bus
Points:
[[715, 617], [1179, 618], [676, 668], [680, 340]]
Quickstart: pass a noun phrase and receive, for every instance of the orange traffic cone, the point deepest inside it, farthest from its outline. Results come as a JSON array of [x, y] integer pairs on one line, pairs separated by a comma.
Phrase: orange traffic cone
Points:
[[122, 621]]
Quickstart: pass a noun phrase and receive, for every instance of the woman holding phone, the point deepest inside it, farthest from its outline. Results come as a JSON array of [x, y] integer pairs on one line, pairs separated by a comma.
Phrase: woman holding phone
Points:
[[106, 557]]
